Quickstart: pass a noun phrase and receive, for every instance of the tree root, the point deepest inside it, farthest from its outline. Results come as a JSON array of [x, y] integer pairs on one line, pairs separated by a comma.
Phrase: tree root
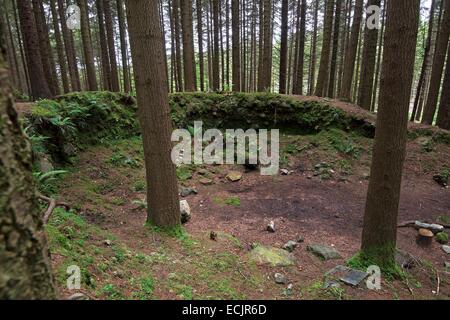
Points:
[[52, 204]]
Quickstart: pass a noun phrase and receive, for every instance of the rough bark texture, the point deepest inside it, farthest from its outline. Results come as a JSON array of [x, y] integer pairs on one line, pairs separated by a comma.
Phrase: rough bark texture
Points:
[[154, 114], [284, 45], [350, 57], [87, 46], [25, 271], [300, 55], [326, 48], [334, 54], [176, 22], [39, 85], [312, 73], [380, 219], [236, 55], [266, 72], [106, 67], [438, 66], [123, 46], [216, 61]]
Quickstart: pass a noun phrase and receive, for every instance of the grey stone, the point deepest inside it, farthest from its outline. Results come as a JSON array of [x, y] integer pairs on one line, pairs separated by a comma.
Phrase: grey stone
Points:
[[69, 149], [324, 252], [271, 226], [78, 296], [435, 228], [274, 257], [45, 165], [300, 239], [184, 192], [185, 211], [446, 249], [404, 259], [290, 246], [331, 284], [337, 269], [447, 264], [354, 277], [108, 242], [279, 278]]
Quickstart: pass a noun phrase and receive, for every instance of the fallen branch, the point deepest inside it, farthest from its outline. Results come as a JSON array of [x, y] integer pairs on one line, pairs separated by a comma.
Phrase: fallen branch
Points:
[[412, 224], [52, 204]]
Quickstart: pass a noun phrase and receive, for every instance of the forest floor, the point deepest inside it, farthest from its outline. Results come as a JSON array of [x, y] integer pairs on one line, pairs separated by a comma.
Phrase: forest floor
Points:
[[321, 200]]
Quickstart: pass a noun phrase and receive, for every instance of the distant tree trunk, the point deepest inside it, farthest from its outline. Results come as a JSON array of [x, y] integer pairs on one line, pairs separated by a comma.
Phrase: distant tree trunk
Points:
[[210, 46], [176, 21], [106, 66], [48, 62], [39, 85], [87, 46], [266, 71], [70, 49], [25, 265], [200, 44], [123, 46], [380, 219], [227, 39], [300, 59], [443, 117], [284, 46], [188, 45], [7, 38], [438, 66], [379, 58], [21, 48], [334, 54], [368, 63], [243, 46], [236, 55], [111, 46], [312, 75], [60, 48], [216, 62], [151, 88], [350, 57], [325, 56]]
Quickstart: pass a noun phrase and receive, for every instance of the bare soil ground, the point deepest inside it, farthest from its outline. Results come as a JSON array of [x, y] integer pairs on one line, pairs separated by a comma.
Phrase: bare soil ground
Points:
[[323, 206]]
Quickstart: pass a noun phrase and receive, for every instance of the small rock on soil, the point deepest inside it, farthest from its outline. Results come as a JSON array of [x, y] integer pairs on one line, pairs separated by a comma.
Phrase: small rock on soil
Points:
[[324, 252], [274, 257], [185, 211]]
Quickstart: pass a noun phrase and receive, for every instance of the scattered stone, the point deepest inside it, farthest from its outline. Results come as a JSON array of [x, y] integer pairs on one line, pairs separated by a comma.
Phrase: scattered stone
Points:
[[279, 278], [324, 252], [69, 150], [331, 284], [300, 239], [404, 259], [447, 265], [274, 257], [213, 236], [286, 172], [441, 180], [206, 181], [185, 211], [290, 246], [234, 176], [338, 269], [354, 277], [45, 165], [184, 192], [442, 237], [446, 249], [78, 296], [435, 228], [202, 172], [271, 227], [107, 242]]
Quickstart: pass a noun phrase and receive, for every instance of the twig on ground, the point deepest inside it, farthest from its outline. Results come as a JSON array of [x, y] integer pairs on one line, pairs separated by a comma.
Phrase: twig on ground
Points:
[[52, 204]]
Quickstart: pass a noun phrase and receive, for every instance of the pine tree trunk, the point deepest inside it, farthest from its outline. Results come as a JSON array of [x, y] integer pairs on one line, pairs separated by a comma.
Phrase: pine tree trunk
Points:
[[188, 45], [154, 116], [379, 58], [24, 258], [266, 74], [443, 117], [123, 46], [21, 48], [298, 83], [87, 46], [176, 20], [380, 219], [200, 44], [60, 48], [216, 62], [334, 54], [106, 66], [350, 58], [312, 75], [438, 66], [236, 54], [111, 46], [322, 78], [70, 49], [39, 85]]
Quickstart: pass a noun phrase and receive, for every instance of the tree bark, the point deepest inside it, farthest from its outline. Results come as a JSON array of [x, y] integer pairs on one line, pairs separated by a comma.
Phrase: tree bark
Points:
[[438, 66], [350, 57], [443, 117], [123, 46], [199, 4], [312, 75], [188, 46], [176, 21], [106, 66], [216, 61], [380, 219], [334, 54], [325, 56], [39, 84], [111, 46], [236, 54], [154, 114], [60, 48], [264, 82], [24, 258]]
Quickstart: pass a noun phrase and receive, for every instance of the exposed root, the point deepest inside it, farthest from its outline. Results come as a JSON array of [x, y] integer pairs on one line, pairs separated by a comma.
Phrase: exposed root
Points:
[[52, 204]]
